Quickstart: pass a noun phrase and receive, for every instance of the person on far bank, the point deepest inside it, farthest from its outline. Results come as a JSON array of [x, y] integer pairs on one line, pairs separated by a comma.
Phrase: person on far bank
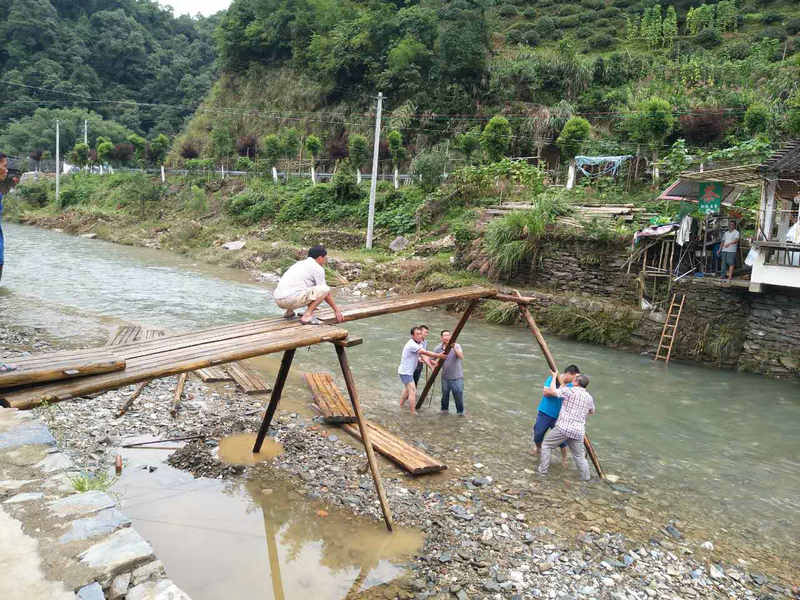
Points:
[[303, 284], [549, 407], [570, 427], [424, 360], [3, 174], [409, 359], [730, 244], [452, 374]]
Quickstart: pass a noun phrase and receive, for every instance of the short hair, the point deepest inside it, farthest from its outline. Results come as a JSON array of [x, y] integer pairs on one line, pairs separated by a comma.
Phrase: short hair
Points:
[[317, 251], [413, 329], [572, 370], [583, 380], [444, 331], [2, 156], [424, 327]]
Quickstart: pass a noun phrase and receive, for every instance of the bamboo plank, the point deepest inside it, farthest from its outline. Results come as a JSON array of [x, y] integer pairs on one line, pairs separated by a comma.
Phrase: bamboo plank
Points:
[[329, 400], [211, 354], [54, 371], [213, 374], [250, 381], [410, 458]]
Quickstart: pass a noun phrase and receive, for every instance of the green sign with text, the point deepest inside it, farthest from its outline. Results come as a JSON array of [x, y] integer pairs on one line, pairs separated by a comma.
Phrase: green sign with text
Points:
[[710, 197]]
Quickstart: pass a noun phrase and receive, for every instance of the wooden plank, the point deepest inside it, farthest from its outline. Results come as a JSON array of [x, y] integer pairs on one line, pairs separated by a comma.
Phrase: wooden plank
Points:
[[213, 374], [349, 342], [328, 399], [177, 361], [410, 458], [247, 379], [59, 370]]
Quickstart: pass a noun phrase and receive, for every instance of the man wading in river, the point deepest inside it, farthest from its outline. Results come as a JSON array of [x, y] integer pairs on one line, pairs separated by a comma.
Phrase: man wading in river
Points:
[[412, 352], [303, 284], [424, 360], [570, 427], [549, 407]]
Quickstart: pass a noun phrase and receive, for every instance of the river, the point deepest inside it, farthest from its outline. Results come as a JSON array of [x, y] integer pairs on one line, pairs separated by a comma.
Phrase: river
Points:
[[721, 446]]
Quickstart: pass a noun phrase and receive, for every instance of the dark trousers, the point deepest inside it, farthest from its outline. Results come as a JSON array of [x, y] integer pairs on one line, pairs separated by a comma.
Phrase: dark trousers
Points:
[[417, 373], [457, 387]]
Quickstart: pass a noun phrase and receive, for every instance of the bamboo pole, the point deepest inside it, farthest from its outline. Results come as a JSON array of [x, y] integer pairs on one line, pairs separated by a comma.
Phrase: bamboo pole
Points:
[[450, 344], [362, 426], [552, 364], [178, 393], [129, 402], [280, 380]]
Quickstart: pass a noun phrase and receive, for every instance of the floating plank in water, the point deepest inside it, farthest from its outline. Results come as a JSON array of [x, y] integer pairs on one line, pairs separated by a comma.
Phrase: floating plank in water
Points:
[[412, 459], [213, 374], [329, 400], [247, 379], [38, 372]]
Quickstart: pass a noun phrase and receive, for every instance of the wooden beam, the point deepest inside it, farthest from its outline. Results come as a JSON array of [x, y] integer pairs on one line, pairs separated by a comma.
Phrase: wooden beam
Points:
[[178, 393], [129, 402], [56, 371], [277, 390], [511, 298], [362, 427], [552, 364], [349, 342], [450, 344]]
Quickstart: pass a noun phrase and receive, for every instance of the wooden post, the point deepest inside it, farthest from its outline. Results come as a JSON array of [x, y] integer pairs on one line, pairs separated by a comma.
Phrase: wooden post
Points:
[[362, 427], [451, 343], [275, 397], [552, 364], [129, 402], [178, 393]]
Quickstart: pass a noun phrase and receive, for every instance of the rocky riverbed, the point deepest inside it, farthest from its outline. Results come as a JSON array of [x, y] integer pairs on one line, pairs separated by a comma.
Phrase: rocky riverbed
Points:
[[487, 534]]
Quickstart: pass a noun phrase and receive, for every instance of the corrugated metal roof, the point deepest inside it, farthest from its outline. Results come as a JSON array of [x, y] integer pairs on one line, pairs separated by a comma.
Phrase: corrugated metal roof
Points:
[[746, 175], [785, 161]]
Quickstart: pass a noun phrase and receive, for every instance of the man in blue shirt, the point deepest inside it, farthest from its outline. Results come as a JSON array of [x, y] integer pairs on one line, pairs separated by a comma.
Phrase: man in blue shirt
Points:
[[549, 407], [3, 173]]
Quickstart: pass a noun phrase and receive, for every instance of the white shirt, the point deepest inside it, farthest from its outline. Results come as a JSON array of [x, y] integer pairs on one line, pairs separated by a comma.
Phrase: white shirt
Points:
[[727, 237], [300, 276], [409, 358]]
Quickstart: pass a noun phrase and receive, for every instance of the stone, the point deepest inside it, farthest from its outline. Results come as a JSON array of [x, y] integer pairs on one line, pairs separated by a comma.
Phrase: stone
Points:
[[462, 595], [673, 531], [586, 515], [445, 557], [234, 245], [93, 591], [104, 522], [163, 589], [398, 243], [89, 236], [122, 549], [758, 578], [24, 497], [716, 572], [119, 586], [707, 546], [486, 535], [54, 462], [85, 503], [544, 566], [10, 485], [151, 570], [26, 434]]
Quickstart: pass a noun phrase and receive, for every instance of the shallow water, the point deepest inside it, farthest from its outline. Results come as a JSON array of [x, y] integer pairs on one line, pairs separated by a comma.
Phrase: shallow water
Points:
[[238, 449], [719, 445]]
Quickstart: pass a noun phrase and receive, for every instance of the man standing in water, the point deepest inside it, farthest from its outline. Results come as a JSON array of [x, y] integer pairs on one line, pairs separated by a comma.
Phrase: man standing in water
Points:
[[409, 359], [303, 284], [3, 174], [549, 407], [452, 374], [424, 360], [570, 427]]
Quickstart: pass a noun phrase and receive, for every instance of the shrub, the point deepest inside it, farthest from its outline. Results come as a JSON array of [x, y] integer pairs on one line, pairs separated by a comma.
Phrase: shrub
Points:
[[530, 13], [793, 26], [593, 4], [704, 125], [602, 41], [739, 50], [247, 145], [36, 193], [199, 164], [757, 118], [609, 13], [569, 21], [196, 202], [243, 163], [598, 327], [428, 167], [189, 149], [508, 10], [708, 38], [584, 32], [772, 18], [567, 9], [500, 313], [772, 33], [397, 211], [259, 202]]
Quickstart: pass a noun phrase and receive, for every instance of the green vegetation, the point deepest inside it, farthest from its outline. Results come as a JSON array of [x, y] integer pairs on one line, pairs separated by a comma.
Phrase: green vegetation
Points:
[[129, 66], [597, 327], [87, 482]]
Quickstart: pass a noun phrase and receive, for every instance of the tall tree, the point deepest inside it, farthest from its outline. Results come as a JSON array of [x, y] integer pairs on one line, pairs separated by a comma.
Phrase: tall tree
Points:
[[651, 122], [313, 146], [496, 138]]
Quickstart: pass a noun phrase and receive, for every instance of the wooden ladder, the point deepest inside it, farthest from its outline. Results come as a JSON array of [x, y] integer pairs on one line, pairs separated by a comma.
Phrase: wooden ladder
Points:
[[670, 328]]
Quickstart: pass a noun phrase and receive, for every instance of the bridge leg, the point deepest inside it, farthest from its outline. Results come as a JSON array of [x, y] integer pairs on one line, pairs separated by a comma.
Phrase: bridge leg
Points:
[[275, 397], [362, 426], [453, 338]]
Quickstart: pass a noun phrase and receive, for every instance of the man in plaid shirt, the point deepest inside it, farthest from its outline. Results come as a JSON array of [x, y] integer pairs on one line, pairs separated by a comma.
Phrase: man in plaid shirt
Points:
[[576, 405]]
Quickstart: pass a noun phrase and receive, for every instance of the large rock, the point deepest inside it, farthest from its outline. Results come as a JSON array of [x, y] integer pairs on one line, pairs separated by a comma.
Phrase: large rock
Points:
[[235, 245], [82, 504], [16, 432], [398, 243], [157, 590], [93, 591], [104, 522], [120, 551]]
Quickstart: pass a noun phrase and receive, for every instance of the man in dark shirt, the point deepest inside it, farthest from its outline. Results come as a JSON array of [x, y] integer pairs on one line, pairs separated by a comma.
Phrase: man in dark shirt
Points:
[[452, 374]]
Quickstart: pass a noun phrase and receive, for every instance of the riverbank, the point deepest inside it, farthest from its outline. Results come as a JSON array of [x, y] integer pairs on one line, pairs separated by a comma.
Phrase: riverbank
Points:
[[487, 532]]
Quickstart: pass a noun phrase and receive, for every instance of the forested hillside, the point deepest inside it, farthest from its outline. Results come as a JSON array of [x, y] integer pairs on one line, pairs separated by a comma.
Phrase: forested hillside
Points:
[[447, 67], [130, 62]]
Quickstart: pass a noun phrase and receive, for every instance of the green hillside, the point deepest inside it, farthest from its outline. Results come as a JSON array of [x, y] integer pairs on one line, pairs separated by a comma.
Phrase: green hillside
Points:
[[127, 65], [447, 67]]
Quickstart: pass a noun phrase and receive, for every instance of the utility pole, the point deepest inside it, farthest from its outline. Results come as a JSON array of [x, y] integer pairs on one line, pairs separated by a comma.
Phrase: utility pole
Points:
[[86, 131], [58, 166], [374, 183]]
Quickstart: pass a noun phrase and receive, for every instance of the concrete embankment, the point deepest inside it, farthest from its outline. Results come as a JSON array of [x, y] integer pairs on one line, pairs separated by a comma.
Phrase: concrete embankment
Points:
[[57, 543]]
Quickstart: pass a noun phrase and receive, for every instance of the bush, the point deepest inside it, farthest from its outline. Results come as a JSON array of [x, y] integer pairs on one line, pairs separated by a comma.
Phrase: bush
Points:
[[428, 167], [602, 41], [595, 327], [196, 201], [569, 21], [772, 33], [708, 38], [199, 164], [530, 13], [36, 193], [772, 18], [739, 50], [793, 26], [243, 163], [567, 9], [397, 211], [508, 10], [609, 13], [259, 202], [189, 149], [593, 4], [584, 32]]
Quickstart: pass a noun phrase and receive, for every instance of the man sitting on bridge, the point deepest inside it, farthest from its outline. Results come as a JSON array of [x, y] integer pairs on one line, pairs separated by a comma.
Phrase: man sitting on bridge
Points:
[[303, 284]]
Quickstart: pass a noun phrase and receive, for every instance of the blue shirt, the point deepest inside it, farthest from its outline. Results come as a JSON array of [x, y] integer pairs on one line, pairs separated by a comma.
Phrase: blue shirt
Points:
[[1, 230], [550, 406]]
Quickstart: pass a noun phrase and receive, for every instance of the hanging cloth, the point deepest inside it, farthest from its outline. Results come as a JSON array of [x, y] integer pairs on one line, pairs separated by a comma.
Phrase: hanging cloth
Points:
[[684, 231]]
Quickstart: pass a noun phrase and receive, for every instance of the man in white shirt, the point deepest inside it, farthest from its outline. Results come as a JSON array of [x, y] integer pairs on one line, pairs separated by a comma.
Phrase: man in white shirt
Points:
[[730, 243], [409, 359], [303, 284]]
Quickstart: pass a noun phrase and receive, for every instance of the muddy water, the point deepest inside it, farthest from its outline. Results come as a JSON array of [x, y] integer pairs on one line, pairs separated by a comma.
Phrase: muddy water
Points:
[[717, 446], [255, 540], [238, 449]]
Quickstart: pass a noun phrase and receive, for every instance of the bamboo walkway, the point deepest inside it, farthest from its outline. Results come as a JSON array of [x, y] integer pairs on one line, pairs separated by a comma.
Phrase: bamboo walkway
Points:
[[412, 459], [328, 400], [248, 380]]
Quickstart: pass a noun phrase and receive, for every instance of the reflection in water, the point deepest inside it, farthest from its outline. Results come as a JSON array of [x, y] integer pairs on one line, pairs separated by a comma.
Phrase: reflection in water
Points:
[[222, 526], [238, 449]]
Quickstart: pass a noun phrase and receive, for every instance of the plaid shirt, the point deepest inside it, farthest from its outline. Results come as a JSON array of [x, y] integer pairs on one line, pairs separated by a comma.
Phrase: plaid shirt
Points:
[[576, 404]]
